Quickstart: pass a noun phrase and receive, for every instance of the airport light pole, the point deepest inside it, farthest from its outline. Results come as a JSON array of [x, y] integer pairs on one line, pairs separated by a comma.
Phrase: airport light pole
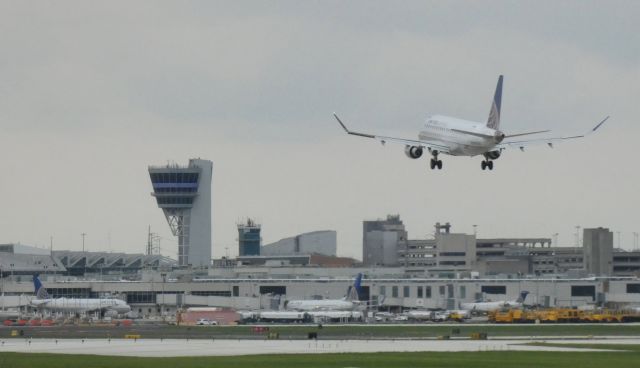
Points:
[[84, 255], [2, 281], [164, 279], [619, 242]]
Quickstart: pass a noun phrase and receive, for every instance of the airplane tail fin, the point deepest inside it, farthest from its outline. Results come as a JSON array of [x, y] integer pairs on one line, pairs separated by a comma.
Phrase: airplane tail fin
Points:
[[494, 114], [355, 290], [41, 292], [523, 296]]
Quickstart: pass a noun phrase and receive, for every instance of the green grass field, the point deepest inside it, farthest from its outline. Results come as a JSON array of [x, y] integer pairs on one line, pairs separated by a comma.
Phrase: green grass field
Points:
[[502, 359]]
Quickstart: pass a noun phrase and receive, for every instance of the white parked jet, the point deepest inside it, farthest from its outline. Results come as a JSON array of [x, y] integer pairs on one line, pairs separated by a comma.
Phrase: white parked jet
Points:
[[491, 306], [75, 305], [457, 137], [347, 303]]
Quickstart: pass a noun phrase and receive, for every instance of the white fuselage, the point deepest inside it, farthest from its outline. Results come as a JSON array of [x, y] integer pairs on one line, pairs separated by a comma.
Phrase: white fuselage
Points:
[[326, 304], [490, 306], [82, 305], [462, 137]]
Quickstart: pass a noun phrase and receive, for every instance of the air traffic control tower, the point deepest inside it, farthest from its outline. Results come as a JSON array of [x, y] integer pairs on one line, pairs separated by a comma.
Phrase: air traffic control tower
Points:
[[184, 195]]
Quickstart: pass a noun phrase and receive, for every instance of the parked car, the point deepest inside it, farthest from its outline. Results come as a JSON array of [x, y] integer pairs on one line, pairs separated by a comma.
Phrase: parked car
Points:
[[206, 322]]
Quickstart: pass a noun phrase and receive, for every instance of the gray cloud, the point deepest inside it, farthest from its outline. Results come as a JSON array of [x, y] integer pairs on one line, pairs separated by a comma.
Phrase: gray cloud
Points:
[[90, 94]]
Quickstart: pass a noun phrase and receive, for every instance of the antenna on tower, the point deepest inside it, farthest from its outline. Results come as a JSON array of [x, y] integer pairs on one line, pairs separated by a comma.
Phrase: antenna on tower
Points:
[[153, 243]]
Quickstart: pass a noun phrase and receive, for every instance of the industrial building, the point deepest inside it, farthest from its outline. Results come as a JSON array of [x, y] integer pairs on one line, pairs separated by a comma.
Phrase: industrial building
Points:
[[20, 259], [455, 254], [381, 239], [80, 263], [316, 242], [156, 287], [442, 272], [184, 195]]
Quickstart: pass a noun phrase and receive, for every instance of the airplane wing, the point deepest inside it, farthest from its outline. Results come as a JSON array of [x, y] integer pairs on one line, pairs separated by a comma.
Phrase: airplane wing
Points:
[[384, 139], [548, 141], [40, 302]]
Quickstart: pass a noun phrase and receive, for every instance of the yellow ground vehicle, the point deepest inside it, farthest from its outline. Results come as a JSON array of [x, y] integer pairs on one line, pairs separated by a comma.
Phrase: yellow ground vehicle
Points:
[[563, 315]]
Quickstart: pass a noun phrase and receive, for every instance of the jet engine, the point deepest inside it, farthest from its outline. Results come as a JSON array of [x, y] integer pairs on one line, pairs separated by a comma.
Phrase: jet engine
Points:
[[413, 151], [499, 136], [492, 155]]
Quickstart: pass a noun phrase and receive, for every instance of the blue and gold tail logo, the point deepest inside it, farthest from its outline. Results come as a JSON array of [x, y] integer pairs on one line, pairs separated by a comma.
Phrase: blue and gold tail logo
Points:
[[494, 113], [41, 292]]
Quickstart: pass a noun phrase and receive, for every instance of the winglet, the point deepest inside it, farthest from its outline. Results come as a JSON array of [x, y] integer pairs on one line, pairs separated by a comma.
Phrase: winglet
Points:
[[341, 123], [590, 130], [350, 132], [599, 124]]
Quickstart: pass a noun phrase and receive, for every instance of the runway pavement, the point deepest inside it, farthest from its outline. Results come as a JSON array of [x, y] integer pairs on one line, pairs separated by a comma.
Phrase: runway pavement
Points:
[[200, 347]]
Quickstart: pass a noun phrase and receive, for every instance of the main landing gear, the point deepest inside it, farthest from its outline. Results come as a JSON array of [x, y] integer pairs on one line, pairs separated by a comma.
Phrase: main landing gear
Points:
[[435, 163], [487, 164]]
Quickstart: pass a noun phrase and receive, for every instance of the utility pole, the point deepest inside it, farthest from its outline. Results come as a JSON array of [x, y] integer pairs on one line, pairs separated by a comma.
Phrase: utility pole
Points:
[[83, 235]]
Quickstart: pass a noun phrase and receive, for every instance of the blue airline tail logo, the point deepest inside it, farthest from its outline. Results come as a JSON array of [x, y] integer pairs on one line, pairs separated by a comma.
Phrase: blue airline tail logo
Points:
[[41, 292], [354, 292], [494, 114], [357, 283], [523, 296]]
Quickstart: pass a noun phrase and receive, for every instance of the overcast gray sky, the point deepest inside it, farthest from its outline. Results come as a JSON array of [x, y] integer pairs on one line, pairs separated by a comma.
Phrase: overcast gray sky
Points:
[[93, 92]]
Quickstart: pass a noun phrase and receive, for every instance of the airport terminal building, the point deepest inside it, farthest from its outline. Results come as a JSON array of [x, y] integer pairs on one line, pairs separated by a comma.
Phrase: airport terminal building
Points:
[[157, 294]]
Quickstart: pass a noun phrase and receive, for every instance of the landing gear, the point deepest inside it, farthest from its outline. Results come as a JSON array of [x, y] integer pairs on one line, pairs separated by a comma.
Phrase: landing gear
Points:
[[435, 163], [487, 164]]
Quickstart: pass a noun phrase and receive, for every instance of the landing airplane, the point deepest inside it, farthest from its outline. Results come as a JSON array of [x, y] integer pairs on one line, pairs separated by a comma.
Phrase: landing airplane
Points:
[[347, 303], [458, 137], [491, 306], [76, 305]]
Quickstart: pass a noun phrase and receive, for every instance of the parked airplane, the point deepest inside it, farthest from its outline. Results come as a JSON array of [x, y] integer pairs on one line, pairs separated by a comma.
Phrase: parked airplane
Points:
[[349, 302], [458, 137], [75, 305], [491, 306]]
